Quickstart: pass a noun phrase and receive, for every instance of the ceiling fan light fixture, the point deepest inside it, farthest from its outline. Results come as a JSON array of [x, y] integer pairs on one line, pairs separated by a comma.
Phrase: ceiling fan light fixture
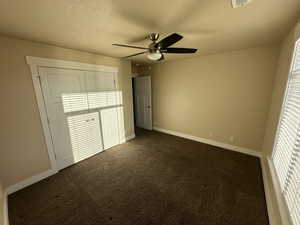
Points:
[[154, 55], [156, 50], [240, 3]]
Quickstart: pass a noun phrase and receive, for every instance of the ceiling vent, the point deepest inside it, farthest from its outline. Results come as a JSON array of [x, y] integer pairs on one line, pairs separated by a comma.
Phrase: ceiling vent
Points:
[[240, 3]]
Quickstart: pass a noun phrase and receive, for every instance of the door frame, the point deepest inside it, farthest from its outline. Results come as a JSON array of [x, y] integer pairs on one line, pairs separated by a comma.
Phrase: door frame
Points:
[[34, 63]]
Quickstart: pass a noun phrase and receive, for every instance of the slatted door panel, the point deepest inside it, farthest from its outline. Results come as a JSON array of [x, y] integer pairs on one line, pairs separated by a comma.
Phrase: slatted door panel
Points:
[[85, 135], [104, 99], [73, 102]]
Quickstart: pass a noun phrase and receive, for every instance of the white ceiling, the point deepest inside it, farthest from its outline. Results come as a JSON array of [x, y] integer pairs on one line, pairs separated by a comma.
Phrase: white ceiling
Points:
[[93, 25]]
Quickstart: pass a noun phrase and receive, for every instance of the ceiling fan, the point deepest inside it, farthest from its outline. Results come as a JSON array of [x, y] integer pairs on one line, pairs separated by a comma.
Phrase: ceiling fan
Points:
[[156, 50]]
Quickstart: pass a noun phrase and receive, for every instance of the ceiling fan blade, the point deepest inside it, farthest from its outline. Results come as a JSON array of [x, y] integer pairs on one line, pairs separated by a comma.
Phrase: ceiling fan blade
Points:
[[162, 57], [168, 41], [129, 46], [179, 50], [135, 54]]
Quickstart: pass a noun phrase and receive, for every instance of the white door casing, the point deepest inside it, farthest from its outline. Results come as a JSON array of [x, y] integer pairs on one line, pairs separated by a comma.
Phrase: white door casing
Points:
[[143, 104]]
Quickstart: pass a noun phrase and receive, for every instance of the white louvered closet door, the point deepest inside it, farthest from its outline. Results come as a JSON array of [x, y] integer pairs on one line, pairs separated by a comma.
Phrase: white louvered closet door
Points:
[[286, 154], [55, 84], [85, 112]]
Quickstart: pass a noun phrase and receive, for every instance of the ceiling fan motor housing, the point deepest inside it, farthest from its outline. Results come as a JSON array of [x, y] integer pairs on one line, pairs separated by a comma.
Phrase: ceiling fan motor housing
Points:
[[153, 36], [153, 47]]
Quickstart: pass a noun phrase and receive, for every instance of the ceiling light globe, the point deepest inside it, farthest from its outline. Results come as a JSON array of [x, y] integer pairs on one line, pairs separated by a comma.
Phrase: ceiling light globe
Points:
[[154, 55]]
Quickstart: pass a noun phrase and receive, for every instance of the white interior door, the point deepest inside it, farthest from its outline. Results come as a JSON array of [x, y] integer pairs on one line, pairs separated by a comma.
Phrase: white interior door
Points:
[[74, 102], [143, 104]]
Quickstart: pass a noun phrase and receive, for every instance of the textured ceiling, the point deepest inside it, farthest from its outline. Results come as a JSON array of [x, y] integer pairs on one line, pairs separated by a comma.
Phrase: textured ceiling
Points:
[[93, 25]]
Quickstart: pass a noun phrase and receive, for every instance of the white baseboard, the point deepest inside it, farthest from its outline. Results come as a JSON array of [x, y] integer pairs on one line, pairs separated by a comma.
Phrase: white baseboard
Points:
[[211, 142], [25, 183], [268, 192], [128, 138], [277, 208], [34, 179]]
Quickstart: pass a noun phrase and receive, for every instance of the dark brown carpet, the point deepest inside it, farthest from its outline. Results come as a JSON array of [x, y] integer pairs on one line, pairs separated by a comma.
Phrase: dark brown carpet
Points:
[[155, 179]]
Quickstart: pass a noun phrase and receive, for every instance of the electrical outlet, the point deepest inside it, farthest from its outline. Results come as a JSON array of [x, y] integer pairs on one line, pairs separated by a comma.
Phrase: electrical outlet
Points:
[[211, 134], [231, 138]]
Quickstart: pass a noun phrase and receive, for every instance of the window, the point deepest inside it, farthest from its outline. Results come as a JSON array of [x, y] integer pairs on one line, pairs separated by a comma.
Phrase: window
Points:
[[286, 154]]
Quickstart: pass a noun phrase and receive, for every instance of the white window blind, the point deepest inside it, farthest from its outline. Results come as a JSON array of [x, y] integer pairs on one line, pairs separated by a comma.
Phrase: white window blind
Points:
[[286, 154], [296, 64]]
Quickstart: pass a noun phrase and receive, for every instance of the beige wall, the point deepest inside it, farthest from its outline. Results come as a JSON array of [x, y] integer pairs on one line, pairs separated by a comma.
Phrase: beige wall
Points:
[[141, 69], [225, 94], [23, 149], [278, 92], [282, 73]]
